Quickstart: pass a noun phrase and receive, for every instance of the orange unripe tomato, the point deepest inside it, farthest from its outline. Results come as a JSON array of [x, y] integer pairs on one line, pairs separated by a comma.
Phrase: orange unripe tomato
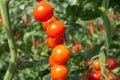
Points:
[[96, 65], [46, 23], [55, 29], [59, 72], [52, 42], [61, 54], [52, 62]]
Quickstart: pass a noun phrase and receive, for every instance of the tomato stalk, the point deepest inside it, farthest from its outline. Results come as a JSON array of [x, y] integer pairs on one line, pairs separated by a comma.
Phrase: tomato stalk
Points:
[[7, 27]]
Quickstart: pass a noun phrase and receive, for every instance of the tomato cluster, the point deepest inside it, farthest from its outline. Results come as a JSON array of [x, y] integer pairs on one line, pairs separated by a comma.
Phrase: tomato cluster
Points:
[[95, 66], [55, 29]]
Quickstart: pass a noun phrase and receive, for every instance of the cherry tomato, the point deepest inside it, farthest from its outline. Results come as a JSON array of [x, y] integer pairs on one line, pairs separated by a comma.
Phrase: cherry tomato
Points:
[[38, 0], [52, 62], [112, 76], [89, 47], [91, 25], [37, 43], [61, 54], [55, 29], [95, 75], [59, 72], [96, 65], [77, 47], [111, 63], [43, 11], [52, 42], [100, 27], [87, 64], [46, 23]]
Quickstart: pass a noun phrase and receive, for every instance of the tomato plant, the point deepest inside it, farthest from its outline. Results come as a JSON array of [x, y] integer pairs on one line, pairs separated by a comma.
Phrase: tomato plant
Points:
[[36, 35]]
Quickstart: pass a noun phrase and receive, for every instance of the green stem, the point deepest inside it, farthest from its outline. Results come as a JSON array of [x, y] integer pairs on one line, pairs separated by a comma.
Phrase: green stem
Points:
[[105, 3], [7, 27]]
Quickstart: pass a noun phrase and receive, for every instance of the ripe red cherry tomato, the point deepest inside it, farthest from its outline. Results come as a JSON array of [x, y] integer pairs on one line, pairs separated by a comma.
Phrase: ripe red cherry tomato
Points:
[[38, 0], [46, 23], [112, 76], [55, 29], [52, 42], [111, 63], [77, 47], [95, 75], [87, 64], [100, 27], [60, 54], [43, 11]]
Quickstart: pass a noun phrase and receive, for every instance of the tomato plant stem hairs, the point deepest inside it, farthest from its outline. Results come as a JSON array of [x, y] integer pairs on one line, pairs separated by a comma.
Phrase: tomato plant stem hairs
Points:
[[7, 27]]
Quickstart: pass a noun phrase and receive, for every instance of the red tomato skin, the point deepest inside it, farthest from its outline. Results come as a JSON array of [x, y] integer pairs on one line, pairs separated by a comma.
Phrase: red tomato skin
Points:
[[87, 64], [55, 29], [112, 76], [77, 47], [53, 42], [38, 0], [95, 75], [43, 11], [111, 63]]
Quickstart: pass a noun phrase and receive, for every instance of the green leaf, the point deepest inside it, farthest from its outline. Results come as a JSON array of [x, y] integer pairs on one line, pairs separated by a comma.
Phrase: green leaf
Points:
[[47, 77], [75, 77], [107, 26], [90, 14], [4, 48]]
